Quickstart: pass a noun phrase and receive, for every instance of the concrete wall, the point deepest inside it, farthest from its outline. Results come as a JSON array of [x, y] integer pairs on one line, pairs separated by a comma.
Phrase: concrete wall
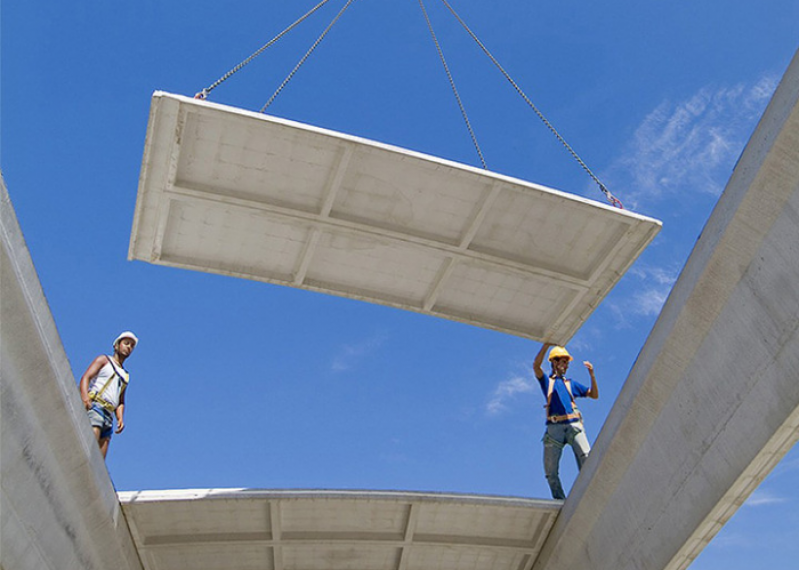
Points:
[[712, 403], [58, 507]]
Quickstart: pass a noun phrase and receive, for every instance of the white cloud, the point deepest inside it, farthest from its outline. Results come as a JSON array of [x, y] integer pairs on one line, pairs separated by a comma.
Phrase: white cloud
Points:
[[651, 294], [650, 287], [507, 390], [760, 498], [349, 355], [690, 147]]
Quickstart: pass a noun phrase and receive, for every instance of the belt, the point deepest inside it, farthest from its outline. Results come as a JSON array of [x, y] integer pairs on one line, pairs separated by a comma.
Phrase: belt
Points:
[[564, 418], [100, 402]]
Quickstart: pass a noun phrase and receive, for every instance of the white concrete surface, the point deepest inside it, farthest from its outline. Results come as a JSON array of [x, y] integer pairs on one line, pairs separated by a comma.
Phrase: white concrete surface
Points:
[[335, 530], [58, 508], [248, 195], [712, 403]]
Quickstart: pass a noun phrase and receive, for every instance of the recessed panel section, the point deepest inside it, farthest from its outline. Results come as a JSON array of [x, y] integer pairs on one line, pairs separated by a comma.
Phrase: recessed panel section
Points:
[[175, 518], [322, 556], [464, 558], [213, 557], [478, 521], [546, 233], [375, 268], [230, 239], [344, 517], [508, 300], [410, 195], [255, 160]]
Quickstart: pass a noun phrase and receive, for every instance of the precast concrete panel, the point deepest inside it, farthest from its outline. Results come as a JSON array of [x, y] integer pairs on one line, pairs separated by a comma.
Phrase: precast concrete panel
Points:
[[58, 507], [220, 529], [249, 195], [712, 403]]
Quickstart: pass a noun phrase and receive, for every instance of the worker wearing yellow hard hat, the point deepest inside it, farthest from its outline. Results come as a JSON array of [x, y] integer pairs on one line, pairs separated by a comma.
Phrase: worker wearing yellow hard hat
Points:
[[564, 420]]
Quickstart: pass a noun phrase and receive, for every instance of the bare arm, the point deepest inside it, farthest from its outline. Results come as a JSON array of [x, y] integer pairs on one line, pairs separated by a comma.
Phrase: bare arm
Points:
[[91, 372], [121, 413], [593, 392], [539, 359]]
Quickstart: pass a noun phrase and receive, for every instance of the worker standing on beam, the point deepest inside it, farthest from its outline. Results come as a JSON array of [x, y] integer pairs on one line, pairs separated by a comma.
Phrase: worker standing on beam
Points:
[[102, 389], [564, 421]]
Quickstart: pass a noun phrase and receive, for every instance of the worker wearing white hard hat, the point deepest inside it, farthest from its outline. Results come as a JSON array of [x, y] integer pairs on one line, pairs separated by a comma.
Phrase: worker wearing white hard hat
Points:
[[102, 389], [564, 420]]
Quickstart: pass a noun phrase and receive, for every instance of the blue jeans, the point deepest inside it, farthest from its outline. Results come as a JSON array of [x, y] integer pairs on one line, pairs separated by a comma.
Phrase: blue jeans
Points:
[[556, 438]]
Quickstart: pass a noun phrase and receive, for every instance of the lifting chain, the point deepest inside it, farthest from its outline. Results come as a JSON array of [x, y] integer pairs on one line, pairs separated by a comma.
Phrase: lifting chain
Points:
[[204, 93], [307, 54], [610, 197], [452, 84]]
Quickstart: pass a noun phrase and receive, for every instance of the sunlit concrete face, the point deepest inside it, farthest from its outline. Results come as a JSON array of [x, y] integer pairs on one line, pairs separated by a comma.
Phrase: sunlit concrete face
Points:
[[247, 195], [335, 530]]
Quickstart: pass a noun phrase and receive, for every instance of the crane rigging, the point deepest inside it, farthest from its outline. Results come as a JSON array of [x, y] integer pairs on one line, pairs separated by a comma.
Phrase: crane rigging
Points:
[[250, 195], [203, 94]]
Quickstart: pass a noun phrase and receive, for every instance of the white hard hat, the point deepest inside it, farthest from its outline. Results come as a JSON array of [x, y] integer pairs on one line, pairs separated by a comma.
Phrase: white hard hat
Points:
[[126, 334]]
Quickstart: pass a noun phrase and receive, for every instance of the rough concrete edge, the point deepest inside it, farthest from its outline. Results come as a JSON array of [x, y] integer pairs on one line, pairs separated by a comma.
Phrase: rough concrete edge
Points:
[[130, 497], [98, 480]]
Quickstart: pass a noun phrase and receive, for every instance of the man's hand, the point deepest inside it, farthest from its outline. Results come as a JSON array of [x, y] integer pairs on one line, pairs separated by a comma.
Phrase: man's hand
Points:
[[593, 392], [120, 425]]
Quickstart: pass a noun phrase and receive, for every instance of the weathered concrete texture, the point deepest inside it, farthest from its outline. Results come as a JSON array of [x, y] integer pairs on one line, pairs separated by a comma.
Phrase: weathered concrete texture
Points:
[[58, 507], [712, 402], [244, 194], [335, 530]]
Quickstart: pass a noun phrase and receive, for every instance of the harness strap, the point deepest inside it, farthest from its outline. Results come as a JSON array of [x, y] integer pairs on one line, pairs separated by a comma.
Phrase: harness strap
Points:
[[97, 396], [575, 415]]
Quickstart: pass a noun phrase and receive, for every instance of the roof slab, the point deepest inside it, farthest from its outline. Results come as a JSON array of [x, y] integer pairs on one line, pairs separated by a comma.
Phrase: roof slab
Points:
[[335, 530], [248, 195]]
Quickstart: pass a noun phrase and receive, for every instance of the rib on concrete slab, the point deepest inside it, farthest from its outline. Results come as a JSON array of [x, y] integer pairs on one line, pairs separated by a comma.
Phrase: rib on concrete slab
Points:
[[58, 508], [335, 530], [712, 403], [248, 195]]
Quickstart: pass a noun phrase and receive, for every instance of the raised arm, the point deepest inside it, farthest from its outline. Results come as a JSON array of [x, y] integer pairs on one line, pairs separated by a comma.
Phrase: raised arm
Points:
[[594, 391], [539, 359]]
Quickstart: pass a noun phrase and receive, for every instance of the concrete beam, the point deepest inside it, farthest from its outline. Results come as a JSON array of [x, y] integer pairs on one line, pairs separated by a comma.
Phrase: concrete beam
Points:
[[58, 508], [712, 402]]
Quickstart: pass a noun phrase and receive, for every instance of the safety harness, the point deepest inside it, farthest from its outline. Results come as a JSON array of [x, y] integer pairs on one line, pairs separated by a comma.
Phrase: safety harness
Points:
[[97, 396], [575, 415]]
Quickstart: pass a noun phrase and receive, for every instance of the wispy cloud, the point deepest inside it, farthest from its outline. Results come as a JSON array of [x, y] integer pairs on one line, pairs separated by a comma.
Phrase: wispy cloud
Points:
[[690, 146], [760, 498], [350, 354], [654, 288], [506, 391], [650, 287]]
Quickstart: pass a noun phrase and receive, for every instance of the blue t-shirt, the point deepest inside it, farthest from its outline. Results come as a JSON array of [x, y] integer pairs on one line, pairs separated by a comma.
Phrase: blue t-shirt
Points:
[[561, 404]]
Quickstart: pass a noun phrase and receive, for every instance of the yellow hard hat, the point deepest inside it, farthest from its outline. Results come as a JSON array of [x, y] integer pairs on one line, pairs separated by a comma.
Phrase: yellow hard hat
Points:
[[559, 351]]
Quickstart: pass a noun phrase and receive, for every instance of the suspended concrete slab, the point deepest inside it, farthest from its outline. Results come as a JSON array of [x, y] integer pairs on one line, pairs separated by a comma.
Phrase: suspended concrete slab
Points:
[[335, 530], [239, 193]]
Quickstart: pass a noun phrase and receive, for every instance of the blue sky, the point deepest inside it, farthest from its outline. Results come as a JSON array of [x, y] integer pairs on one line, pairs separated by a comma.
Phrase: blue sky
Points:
[[243, 384]]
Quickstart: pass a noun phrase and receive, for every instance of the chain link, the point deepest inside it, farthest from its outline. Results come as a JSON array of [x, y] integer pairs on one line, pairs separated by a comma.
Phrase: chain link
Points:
[[452, 84], [204, 93], [610, 197], [307, 54]]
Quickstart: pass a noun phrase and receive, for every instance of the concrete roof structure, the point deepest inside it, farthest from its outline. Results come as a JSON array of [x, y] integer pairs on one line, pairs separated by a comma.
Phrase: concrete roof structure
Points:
[[675, 459], [244, 194], [335, 530]]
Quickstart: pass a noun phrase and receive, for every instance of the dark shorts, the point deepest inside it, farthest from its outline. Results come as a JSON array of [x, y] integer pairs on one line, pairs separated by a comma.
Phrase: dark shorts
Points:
[[103, 419]]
